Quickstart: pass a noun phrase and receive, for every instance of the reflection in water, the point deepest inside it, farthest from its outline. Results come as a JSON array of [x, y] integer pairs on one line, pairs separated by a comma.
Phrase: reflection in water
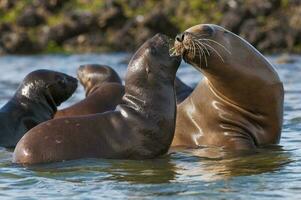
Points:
[[178, 166], [153, 171], [211, 164], [161, 170]]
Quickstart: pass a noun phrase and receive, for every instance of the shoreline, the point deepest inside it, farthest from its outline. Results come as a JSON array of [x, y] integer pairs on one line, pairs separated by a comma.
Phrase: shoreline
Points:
[[80, 26]]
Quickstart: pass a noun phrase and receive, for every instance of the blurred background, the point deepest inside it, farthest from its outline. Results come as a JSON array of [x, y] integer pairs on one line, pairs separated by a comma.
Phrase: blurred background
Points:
[[77, 26]]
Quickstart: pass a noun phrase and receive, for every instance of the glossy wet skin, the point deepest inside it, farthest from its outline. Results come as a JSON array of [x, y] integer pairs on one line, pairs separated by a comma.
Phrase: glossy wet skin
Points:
[[91, 75], [34, 102], [55, 86], [239, 104], [103, 91], [141, 127]]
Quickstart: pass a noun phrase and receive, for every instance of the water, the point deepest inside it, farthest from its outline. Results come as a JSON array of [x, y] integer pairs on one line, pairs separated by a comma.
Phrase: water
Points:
[[268, 174]]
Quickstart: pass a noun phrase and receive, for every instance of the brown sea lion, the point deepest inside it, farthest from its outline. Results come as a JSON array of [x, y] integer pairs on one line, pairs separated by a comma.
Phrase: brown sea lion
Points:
[[104, 91], [141, 127], [182, 90], [34, 102], [239, 103], [91, 76]]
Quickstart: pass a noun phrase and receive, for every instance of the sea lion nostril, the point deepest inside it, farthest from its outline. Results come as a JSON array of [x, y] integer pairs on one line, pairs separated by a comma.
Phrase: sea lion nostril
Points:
[[180, 37]]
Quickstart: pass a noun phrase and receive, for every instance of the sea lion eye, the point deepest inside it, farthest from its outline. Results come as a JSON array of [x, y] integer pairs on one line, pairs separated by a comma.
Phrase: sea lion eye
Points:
[[207, 30], [62, 82]]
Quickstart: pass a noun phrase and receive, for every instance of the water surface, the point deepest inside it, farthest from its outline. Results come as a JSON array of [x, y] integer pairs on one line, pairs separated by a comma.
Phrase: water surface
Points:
[[273, 173]]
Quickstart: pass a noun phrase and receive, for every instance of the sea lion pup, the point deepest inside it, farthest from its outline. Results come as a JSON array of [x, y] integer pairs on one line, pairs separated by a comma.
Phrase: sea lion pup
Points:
[[239, 103], [34, 102], [103, 88], [141, 127], [91, 76]]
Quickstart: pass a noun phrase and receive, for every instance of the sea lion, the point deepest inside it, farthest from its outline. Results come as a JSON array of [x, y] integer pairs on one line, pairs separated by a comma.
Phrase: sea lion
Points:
[[34, 102], [182, 90], [141, 127], [239, 103], [104, 91], [91, 76]]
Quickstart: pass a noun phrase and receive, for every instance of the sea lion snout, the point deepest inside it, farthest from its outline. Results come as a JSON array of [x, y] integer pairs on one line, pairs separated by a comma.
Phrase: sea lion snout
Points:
[[68, 79], [180, 37], [73, 83], [160, 48]]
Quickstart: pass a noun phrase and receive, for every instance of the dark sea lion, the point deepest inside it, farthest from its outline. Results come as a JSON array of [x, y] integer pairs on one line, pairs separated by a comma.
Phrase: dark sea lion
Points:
[[239, 103], [34, 102], [141, 127], [104, 91]]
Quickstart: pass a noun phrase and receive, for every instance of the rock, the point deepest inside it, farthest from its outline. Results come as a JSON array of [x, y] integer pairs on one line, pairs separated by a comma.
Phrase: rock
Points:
[[274, 40], [238, 11], [87, 42], [82, 20], [139, 29], [233, 19], [158, 22], [17, 43], [50, 5], [30, 18], [75, 24], [124, 39], [294, 20], [5, 27], [7, 4], [112, 17], [251, 31], [135, 4], [262, 7]]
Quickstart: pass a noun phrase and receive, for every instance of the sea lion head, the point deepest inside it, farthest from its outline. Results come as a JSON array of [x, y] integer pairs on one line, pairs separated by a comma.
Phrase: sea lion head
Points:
[[222, 55], [55, 87], [91, 75], [152, 63], [206, 45]]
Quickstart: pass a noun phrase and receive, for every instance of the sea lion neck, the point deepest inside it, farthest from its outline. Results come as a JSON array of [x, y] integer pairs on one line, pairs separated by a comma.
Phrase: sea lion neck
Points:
[[36, 93], [90, 89], [150, 78]]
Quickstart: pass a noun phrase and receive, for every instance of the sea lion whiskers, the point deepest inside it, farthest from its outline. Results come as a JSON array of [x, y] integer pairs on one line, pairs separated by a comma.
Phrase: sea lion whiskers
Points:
[[172, 48], [190, 49], [199, 45], [194, 48], [172, 51], [201, 52], [204, 42], [217, 53], [201, 38], [206, 39]]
